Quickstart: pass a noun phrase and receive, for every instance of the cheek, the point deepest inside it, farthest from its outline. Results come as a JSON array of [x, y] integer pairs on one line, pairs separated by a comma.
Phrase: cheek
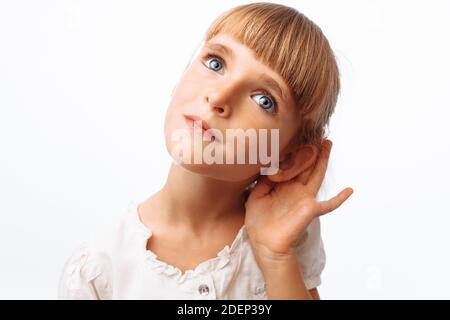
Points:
[[182, 96], [190, 84], [271, 135]]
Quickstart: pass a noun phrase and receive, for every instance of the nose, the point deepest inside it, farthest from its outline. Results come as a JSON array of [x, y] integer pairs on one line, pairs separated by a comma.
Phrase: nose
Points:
[[219, 99]]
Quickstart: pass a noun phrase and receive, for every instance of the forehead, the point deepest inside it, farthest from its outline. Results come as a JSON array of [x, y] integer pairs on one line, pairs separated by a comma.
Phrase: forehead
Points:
[[235, 50], [230, 46]]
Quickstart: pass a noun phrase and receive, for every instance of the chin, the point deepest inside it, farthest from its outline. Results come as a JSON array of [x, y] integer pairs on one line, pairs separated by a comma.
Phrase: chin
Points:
[[223, 172]]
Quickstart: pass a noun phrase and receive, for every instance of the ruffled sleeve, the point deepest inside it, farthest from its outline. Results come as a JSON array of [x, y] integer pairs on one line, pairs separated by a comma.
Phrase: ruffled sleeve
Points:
[[311, 255], [85, 276]]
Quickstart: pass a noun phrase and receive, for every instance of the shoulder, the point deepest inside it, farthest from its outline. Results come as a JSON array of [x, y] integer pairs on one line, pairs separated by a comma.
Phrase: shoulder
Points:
[[119, 234], [88, 271], [86, 275]]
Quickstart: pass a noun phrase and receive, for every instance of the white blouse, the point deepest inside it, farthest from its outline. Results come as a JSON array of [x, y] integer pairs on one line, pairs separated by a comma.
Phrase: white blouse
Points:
[[116, 264]]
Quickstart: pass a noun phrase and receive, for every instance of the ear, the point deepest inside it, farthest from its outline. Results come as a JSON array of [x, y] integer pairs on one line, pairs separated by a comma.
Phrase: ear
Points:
[[299, 161]]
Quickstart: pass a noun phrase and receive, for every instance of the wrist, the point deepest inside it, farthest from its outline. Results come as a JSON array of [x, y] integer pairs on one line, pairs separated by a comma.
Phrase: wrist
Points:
[[273, 262], [284, 280]]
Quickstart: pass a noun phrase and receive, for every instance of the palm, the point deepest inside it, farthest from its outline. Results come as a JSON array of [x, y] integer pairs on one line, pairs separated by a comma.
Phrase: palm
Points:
[[278, 213]]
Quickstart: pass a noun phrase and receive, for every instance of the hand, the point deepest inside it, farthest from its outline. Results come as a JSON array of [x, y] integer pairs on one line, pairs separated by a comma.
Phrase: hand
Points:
[[277, 214]]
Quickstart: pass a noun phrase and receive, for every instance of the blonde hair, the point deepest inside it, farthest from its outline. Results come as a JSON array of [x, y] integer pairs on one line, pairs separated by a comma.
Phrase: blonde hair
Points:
[[288, 42]]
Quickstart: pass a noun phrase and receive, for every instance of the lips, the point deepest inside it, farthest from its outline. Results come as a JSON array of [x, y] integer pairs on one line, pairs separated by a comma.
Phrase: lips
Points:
[[194, 121]]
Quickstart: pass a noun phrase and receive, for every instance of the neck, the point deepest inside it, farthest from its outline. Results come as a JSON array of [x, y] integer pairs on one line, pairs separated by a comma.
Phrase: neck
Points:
[[198, 202]]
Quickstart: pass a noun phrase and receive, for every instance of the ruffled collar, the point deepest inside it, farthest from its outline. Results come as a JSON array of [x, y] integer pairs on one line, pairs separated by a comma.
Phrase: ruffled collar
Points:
[[222, 259]]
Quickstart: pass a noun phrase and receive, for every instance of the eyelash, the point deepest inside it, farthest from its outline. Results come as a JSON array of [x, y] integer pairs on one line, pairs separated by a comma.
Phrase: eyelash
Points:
[[222, 61]]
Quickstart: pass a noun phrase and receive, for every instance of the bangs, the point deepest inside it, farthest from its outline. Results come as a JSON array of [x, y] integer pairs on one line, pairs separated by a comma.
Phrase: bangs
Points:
[[292, 45]]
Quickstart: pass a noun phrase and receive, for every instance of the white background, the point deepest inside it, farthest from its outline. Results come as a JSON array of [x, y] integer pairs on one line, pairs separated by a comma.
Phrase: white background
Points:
[[84, 86]]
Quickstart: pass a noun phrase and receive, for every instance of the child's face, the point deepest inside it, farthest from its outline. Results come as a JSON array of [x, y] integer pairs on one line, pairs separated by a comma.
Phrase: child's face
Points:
[[228, 92]]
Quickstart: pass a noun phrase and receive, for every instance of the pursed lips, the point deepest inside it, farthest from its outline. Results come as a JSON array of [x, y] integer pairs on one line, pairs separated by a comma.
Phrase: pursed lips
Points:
[[195, 121]]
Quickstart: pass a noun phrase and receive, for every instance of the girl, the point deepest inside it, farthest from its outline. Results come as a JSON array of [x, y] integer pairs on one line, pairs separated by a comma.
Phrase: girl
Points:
[[230, 230]]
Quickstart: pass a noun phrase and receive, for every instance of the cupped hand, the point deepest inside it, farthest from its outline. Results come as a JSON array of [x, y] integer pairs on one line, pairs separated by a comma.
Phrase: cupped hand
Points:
[[277, 214]]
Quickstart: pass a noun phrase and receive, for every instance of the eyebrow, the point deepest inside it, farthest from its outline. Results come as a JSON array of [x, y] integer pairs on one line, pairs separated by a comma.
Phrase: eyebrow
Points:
[[221, 48], [267, 80], [270, 82]]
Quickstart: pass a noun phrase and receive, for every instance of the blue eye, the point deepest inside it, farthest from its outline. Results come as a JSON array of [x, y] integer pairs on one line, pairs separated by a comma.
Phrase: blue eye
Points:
[[266, 102], [214, 63]]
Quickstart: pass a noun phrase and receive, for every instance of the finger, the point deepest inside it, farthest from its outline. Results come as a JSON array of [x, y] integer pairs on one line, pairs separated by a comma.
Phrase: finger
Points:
[[263, 187], [335, 202], [304, 176], [320, 169]]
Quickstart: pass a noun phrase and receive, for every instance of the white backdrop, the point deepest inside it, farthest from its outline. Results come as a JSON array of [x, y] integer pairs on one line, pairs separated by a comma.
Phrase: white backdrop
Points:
[[84, 86]]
